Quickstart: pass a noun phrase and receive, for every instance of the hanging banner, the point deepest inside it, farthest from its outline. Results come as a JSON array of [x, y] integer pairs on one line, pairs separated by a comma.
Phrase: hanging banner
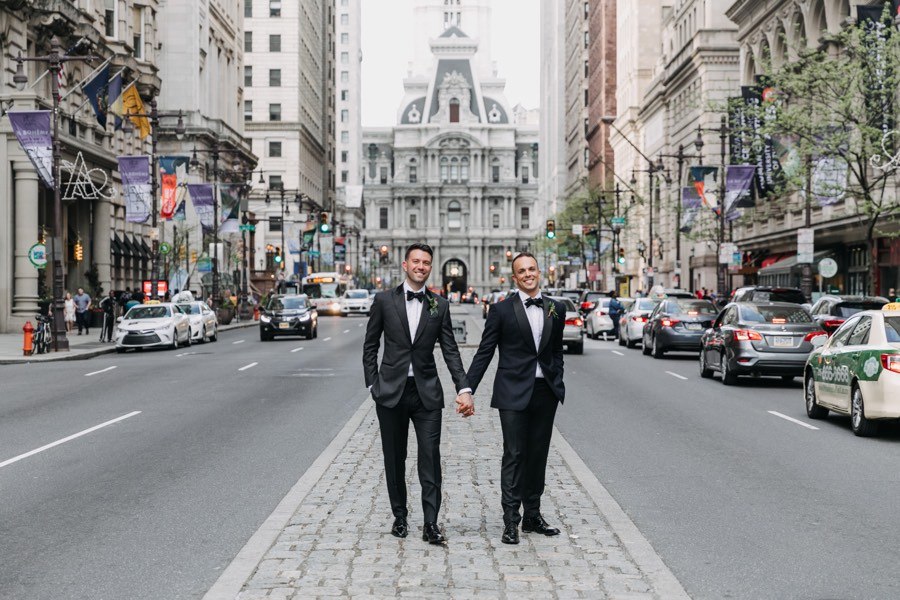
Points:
[[231, 206], [32, 129], [829, 179], [180, 211], [702, 177], [755, 147], [878, 71], [204, 204], [690, 208], [738, 186], [173, 176], [136, 187], [340, 253]]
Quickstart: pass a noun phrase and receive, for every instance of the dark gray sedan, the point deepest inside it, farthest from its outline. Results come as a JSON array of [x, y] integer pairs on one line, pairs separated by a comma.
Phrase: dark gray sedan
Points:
[[677, 324], [773, 338]]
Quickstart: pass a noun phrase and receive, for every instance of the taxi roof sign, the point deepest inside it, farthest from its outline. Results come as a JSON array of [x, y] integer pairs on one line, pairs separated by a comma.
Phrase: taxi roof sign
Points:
[[891, 307]]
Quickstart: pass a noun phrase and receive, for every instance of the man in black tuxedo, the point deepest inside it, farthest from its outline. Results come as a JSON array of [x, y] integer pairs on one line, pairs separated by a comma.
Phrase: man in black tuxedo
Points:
[[528, 387], [406, 387]]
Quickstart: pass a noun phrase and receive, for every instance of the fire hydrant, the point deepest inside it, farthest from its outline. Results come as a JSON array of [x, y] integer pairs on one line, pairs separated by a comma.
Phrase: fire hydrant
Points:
[[28, 342], [256, 313]]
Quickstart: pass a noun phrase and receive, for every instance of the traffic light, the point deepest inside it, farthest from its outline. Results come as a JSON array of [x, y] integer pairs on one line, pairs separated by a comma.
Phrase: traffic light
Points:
[[324, 227], [621, 257], [79, 251], [551, 229], [278, 257]]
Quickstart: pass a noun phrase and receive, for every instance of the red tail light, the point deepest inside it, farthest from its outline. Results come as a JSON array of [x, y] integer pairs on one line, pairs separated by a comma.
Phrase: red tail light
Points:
[[832, 323], [779, 321], [891, 362], [669, 322], [587, 305], [577, 322], [747, 335], [639, 319], [813, 334]]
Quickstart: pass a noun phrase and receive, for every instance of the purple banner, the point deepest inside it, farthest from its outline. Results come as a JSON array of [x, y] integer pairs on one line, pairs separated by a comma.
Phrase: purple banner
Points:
[[231, 205], [32, 129], [690, 208], [136, 187], [738, 186], [204, 203]]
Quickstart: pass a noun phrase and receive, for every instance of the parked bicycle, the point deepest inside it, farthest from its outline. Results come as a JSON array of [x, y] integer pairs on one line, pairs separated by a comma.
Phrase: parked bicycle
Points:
[[42, 335]]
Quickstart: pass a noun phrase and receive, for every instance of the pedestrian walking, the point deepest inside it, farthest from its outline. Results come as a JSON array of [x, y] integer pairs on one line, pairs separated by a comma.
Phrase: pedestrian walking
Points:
[[528, 387], [615, 312], [892, 295], [108, 305], [69, 312], [82, 316], [406, 387]]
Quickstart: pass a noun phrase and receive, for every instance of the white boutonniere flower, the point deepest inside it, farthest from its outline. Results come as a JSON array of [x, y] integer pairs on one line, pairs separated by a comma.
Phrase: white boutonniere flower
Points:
[[552, 312]]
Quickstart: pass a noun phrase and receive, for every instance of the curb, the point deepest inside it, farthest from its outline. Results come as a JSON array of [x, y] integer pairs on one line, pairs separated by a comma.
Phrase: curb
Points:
[[94, 352]]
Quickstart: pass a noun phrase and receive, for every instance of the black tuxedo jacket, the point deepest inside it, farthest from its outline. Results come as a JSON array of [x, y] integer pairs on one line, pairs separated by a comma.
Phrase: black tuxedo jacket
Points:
[[388, 318], [507, 327]]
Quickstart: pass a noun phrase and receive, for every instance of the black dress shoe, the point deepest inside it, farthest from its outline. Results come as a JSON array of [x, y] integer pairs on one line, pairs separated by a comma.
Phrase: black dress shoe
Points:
[[400, 528], [538, 525], [510, 534], [433, 535]]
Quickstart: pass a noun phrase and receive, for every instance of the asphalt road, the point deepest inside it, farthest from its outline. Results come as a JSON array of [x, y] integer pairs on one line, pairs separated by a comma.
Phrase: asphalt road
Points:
[[739, 502], [157, 504]]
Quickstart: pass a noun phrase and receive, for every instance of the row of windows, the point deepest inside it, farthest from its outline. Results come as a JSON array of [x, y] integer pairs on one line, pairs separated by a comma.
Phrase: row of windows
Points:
[[451, 171], [274, 8], [454, 218], [274, 77], [274, 42], [111, 25], [274, 111]]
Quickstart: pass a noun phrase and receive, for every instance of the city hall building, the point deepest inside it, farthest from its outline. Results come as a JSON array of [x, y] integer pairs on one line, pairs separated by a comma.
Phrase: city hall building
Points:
[[458, 170]]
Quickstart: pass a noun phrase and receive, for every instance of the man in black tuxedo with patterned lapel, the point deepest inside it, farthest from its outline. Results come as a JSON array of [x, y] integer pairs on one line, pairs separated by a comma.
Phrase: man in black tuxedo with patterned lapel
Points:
[[528, 387], [406, 387]]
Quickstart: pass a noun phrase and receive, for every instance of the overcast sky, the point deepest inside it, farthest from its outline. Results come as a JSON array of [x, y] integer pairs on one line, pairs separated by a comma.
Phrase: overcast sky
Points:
[[516, 48]]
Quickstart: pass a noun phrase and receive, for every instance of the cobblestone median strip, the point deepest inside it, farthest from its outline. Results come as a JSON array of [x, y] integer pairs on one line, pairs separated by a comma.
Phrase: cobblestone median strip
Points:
[[330, 535]]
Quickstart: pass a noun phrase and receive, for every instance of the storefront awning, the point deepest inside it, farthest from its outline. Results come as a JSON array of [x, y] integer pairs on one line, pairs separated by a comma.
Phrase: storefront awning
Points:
[[127, 247], [115, 246], [148, 253], [788, 264]]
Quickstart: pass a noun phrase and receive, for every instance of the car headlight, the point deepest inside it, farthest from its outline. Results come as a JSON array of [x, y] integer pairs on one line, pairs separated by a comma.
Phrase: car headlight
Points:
[[265, 319], [335, 306], [305, 316]]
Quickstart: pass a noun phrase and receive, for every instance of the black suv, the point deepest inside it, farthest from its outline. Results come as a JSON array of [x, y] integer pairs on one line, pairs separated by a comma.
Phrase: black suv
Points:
[[288, 314], [767, 293], [831, 311]]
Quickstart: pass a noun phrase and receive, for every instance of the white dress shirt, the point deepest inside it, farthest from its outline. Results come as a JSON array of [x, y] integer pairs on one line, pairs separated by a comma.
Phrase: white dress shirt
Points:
[[535, 316], [413, 314]]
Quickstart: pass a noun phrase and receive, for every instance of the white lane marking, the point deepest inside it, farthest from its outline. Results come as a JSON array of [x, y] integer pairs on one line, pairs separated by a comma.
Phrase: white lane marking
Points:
[[360, 325], [617, 352], [250, 366], [297, 349], [793, 420], [238, 342], [681, 377], [326, 339], [312, 375], [185, 354], [67, 439], [100, 371], [346, 331]]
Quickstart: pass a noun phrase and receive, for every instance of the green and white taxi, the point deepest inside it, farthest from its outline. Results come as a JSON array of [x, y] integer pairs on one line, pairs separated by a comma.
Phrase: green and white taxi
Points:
[[857, 372]]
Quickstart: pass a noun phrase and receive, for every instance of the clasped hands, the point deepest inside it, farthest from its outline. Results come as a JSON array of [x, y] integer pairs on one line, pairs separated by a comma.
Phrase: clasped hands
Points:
[[465, 404]]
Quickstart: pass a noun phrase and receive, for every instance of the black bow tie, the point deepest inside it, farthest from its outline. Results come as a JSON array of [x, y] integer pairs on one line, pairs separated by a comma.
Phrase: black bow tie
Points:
[[534, 302], [420, 296]]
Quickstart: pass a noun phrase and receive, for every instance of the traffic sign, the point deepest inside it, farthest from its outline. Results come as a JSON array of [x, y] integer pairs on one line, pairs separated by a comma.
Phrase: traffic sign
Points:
[[313, 252], [165, 248], [805, 245], [618, 221], [828, 268], [247, 227], [37, 254]]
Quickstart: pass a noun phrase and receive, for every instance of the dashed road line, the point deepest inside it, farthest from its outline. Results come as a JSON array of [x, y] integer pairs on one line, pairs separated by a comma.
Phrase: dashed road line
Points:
[[67, 439], [326, 339], [98, 372], [617, 352], [360, 325], [681, 377], [346, 331], [297, 349], [250, 366], [793, 420], [238, 342]]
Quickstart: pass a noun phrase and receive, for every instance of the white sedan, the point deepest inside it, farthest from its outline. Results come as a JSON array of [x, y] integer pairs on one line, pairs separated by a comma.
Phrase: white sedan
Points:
[[153, 326], [631, 325], [356, 302], [204, 324]]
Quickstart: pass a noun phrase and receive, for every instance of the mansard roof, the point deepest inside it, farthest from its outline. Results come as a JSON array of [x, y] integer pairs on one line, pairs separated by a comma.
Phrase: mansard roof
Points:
[[453, 31], [446, 66]]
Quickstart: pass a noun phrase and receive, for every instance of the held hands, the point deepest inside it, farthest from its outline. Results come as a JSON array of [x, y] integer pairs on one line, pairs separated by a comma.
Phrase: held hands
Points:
[[465, 404]]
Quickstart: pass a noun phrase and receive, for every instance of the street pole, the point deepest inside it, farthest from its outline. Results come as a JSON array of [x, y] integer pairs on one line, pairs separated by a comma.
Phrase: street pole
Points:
[[722, 282], [154, 190], [806, 268], [215, 258]]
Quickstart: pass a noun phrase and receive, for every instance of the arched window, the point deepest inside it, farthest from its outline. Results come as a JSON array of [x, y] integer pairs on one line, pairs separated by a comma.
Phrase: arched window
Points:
[[454, 169], [454, 110], [464, 170], [444, 168], [454, 215]]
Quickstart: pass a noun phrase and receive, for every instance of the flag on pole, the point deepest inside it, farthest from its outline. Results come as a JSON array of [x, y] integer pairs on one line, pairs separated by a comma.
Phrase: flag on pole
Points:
[[204, 204], [231, 205], [130, 103], [173, 170], [96, 91], [690, 206], [115, 91], [700, 176]]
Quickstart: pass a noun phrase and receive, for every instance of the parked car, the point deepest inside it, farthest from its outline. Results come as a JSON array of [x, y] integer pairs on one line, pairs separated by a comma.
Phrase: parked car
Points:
[[573, 332], [772, 338], [204, 324], [589, 300], [356, 302], [598, 322], [661, 292], [857, 372], [766, 293], [677, 324], [631, 325], [487, 301], [151, 326], [290, 314], [831, 311]]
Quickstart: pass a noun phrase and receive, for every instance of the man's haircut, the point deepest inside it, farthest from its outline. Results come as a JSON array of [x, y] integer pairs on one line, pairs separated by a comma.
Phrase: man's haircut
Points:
[[419, 246], [523, 255]]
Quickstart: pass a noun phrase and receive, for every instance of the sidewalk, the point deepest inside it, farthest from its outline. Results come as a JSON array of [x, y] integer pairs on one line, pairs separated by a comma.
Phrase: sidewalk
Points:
[[80, 346], [330, 535]]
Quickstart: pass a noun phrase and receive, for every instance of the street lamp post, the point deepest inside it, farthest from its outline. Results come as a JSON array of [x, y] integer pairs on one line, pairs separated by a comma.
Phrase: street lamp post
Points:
[[55, 61]]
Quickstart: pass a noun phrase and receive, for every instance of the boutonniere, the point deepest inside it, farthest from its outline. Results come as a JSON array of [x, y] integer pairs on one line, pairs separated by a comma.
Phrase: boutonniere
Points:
[[432, 306], [552, 311]]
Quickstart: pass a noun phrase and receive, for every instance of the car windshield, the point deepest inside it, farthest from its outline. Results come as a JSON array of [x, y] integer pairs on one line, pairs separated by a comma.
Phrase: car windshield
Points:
[[573, 295], [287, 303], [892, 329], [696, 307], [189, 309], [646, 303], [321, 290], [794, 296], [148, 312], [570, 306], [357, 294], [848, 309], [595, 296], [775, 315]]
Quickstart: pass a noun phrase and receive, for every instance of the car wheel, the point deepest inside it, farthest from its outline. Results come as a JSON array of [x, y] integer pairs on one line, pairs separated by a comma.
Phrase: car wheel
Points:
[[120, 350], [728, 376], [215, 334], [174, 344], [657, 352], [316, 330], [705, 371], [861, 426], [577, 348], [590, 331], [188, 341], [621, 340], [813, 410], [309, 334], [630, 343], [645, 347], [262, 336]]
